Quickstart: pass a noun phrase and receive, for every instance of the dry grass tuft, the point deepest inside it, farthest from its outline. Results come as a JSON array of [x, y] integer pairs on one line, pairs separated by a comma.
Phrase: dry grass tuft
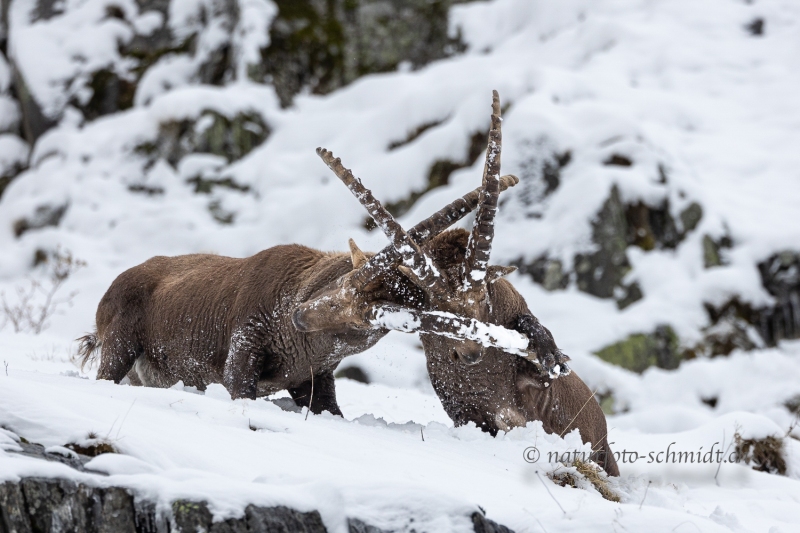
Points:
[[92, 446], [765, 454], [588, 471]]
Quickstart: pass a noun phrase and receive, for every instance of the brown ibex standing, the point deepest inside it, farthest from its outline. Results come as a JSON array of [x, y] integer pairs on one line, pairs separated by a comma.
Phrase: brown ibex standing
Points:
[[210, 319], [475, 380]]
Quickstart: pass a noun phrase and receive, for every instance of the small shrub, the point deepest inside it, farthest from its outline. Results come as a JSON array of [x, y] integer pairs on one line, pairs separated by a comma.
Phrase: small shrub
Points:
[[36, 302]]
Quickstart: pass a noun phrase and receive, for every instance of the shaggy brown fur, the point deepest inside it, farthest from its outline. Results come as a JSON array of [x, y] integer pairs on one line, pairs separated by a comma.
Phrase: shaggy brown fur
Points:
[[211, 319], [502, 391]]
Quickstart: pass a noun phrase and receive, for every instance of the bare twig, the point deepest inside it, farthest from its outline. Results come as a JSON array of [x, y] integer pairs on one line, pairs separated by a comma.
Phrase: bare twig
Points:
[[124, 419], [645, 494], [6, 365], [311, 399], [578, 413], [550, 493], [719, 465], [36, 303], [535, 518], [422, 434]]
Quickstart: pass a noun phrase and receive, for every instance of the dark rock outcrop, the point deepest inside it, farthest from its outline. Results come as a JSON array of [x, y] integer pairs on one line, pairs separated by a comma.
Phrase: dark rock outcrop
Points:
[[780, 276], [323, 45], [44, 216], [211, 133], [617, 226], [54, 505], [356, 373]]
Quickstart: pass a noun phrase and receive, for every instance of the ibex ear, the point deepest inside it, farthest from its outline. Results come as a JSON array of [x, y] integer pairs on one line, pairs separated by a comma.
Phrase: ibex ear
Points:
[[496, 272], [356, 255]]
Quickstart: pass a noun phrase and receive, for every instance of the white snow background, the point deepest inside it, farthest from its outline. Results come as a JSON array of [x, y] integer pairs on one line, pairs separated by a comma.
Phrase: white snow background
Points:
[[677, 82]]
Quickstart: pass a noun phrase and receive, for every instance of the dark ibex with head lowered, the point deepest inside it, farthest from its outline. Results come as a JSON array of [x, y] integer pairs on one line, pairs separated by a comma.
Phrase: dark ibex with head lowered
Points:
[[477, 372], [210, 319]]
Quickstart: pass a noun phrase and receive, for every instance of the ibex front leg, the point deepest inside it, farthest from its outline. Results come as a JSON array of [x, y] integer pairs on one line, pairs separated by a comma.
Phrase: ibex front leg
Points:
[[242, 366], [318, 393]]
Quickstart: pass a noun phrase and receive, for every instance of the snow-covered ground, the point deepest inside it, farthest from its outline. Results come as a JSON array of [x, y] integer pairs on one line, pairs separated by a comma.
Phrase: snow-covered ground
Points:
[[672, 83]]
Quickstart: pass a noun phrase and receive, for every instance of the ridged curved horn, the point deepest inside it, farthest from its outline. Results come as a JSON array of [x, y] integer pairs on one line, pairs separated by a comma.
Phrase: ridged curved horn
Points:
[[476, 259], [412, 256], [426, 230]]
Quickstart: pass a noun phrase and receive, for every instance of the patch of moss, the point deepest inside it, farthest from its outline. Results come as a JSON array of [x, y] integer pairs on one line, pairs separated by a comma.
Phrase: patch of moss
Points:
[[712, 250], [607, 402], [691, 216], [641, 351]]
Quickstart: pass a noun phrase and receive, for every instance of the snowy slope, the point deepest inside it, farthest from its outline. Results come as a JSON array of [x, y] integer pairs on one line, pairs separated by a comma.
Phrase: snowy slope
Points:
[[674, 84]]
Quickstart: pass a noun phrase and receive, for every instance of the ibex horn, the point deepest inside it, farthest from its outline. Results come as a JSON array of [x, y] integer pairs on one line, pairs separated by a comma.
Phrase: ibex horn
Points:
[[412, 256], [387, 259], [479, 247]]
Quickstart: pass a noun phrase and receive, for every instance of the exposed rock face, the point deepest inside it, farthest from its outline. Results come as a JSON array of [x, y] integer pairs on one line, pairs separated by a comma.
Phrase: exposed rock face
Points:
[[13, 159], [62, 506], [438, 173], [600, 273], [325, 44], [44, 216], [617, 226], [53, 505], [212, 133], [736, 325], [780, 276]]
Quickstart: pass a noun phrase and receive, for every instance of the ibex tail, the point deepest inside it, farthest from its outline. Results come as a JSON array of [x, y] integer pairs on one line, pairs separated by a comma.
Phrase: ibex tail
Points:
[[87, 350]]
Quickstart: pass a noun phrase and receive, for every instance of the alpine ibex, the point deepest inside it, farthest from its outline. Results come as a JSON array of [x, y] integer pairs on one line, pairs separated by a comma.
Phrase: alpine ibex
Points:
[[210, 319], [475, 379]]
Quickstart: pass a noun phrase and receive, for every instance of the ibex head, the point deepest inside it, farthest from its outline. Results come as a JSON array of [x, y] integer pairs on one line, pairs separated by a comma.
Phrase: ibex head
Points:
[[340, 304]]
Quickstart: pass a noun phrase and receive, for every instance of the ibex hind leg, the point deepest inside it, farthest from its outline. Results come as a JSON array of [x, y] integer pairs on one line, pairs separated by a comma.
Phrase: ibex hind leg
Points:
[[119, 352], [324, 397]]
